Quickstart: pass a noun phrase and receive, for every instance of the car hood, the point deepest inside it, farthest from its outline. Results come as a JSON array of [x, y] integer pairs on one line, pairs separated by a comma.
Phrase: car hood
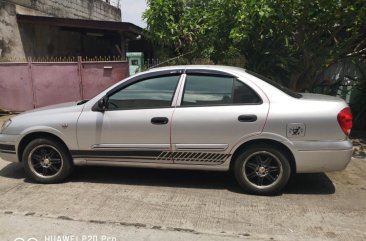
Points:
[[53, 107], [46, 117], [47, 111]]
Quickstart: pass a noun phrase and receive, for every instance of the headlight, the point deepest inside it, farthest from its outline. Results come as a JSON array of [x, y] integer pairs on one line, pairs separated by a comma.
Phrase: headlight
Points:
[[5, 125]]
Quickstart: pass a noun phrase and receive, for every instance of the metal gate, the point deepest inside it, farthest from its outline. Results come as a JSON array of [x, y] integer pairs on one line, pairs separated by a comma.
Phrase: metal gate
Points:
[[28, 85]]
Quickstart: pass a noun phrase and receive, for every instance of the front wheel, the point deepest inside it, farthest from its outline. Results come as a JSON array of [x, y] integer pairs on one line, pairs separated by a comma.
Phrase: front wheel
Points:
[[262, 170], [46, 161]]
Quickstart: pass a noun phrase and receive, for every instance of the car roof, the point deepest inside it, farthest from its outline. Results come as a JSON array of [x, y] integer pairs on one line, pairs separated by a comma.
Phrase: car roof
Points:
[[224, 68]]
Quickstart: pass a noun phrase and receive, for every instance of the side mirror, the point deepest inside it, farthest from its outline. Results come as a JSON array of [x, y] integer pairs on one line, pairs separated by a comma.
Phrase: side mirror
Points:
[[101, 105]]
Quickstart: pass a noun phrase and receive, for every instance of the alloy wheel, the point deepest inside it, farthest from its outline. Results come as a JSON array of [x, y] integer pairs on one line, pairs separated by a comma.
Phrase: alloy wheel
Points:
[[45, 161], [262, 169]]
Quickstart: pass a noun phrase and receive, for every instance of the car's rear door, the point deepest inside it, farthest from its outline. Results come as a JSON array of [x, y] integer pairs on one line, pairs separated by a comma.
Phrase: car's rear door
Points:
[[136, 125], [214, 112]]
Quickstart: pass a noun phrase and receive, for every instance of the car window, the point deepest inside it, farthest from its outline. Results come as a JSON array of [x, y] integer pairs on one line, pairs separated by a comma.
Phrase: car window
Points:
[[204, 90], [275, 84], [244, 94], [150, 93]]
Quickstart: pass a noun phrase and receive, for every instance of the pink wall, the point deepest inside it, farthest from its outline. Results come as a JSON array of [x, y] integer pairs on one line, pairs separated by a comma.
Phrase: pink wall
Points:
[[15, 87], [97, 77], [24, 86]]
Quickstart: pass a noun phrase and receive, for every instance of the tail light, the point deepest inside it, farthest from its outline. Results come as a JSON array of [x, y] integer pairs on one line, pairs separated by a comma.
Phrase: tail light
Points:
[[345, 120]]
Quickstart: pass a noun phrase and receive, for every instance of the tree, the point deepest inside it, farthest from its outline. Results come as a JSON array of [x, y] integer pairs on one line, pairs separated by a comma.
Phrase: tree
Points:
[[290, 41]]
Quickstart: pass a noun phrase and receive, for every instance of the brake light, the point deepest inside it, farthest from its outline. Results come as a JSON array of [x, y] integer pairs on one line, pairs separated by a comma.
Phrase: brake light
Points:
[[345, 120]]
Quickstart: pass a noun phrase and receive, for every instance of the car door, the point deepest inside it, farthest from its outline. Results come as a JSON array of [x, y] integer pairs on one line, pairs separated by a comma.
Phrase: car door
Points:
[[135, 125], [216, 110]]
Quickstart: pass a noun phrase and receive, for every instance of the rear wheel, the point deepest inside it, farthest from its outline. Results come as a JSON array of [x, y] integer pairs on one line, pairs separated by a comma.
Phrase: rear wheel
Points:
[[262, 170], [46, 161]]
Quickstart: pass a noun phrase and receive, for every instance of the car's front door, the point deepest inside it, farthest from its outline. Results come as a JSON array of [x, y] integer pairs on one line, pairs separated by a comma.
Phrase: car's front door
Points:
[[134, 127], [215, 112]]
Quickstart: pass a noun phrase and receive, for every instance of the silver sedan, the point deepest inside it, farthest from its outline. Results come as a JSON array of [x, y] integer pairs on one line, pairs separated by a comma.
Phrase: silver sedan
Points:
[[187, 117]]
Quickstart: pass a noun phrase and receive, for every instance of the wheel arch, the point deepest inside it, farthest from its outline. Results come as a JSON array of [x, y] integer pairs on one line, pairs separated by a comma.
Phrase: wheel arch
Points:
[[256, 142], [37, 135]]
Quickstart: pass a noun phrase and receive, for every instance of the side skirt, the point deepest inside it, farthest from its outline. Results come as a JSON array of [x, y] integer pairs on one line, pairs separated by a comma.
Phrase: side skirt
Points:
[[176, 157], [100, 162]]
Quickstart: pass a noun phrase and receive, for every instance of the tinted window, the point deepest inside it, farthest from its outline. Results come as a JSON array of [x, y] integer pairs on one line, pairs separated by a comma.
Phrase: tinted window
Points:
[[244, 94], [150, 93], [214, 90], [275, 84]]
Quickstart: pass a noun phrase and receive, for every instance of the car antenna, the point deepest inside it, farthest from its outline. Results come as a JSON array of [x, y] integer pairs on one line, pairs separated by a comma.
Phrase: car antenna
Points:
[[166, 61]]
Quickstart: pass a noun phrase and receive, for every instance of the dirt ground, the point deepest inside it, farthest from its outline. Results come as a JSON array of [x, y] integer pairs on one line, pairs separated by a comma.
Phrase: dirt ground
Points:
[[147, 204]]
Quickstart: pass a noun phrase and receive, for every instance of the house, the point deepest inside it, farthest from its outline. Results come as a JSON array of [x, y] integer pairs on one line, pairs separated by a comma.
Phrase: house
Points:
[[63, 29]]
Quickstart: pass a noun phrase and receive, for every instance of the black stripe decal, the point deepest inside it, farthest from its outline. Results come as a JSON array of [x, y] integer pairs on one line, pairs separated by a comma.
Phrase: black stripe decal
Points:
[[179, 157], [7, 152], [117, 157], [115, 154], [7, 147]]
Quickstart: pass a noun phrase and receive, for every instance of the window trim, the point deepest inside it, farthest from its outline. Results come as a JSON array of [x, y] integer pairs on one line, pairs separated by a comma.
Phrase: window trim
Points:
[[141, 108], [189, 73], [179, 91], [211, 72]]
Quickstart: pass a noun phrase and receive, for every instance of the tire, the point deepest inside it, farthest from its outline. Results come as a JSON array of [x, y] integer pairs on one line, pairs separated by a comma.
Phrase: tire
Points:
[[47, 161], [262, 170]]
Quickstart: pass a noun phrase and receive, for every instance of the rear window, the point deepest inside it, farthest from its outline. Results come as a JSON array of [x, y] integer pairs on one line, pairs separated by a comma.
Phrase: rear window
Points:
[[275, 84]]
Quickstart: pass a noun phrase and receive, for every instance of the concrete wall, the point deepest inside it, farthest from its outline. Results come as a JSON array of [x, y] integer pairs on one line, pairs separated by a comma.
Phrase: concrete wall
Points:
[[84, 9], [11, 44], [10, 41]]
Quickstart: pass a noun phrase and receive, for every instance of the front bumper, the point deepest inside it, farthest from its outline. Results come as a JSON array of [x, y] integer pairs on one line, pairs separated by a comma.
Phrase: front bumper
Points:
[[320, 156], [8, 147]]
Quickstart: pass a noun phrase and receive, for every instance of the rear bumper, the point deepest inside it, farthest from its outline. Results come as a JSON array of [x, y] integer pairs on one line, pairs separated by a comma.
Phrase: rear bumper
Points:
[[322, 161], [319, 156], [8, 147]]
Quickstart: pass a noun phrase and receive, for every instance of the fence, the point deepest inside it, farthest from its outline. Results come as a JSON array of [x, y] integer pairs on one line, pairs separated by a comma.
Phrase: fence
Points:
[[28, 85]]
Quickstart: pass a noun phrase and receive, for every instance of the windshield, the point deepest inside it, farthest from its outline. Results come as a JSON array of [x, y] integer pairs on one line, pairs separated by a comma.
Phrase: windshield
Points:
[[275, 84]]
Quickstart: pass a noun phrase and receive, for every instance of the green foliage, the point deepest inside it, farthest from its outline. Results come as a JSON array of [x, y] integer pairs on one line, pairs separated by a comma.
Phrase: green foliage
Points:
[[290, 41]]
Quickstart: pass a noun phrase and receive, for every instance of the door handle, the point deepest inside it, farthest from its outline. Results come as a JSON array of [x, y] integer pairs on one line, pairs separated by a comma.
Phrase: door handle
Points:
[[159, 120], [247, 118]]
